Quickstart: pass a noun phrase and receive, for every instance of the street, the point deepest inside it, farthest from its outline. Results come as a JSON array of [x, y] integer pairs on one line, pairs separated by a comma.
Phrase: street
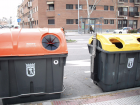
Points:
[[77, 70]]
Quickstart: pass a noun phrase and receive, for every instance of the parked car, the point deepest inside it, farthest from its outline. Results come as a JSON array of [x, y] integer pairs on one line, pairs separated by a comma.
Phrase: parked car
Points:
[[11, 26], [138, 30], [17, 26], [6, 26], [122, 30]]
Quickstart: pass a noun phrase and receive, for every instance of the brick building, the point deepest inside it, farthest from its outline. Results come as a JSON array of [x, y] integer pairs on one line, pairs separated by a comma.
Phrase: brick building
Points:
[[64, 13]]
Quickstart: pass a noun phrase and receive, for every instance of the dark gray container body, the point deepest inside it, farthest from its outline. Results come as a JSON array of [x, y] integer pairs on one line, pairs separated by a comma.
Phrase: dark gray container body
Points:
[[116, 70], [31, 78]]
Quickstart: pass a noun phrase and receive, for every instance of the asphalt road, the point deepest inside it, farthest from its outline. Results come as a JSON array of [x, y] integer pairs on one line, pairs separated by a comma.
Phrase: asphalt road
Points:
[[77, 70]]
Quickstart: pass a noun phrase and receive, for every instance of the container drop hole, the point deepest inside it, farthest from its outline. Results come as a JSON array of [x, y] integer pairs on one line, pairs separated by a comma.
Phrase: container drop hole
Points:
[[138, 39], [117, 43]]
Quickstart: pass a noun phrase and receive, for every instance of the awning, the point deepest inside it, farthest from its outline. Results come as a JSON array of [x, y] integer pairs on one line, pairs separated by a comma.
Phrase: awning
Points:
[[50, 2], [122, 6]]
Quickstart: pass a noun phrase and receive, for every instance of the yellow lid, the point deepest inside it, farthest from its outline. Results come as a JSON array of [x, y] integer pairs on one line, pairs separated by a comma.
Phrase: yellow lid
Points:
[[119, 42]]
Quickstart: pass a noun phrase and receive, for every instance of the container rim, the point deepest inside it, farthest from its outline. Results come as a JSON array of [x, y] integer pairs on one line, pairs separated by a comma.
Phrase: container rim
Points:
[[100, 49]]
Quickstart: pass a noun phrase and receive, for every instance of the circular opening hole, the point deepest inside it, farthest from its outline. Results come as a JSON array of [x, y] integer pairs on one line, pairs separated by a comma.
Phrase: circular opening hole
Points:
[[50, 42]]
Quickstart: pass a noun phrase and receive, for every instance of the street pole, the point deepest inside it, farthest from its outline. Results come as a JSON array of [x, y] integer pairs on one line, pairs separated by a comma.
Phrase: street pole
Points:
[[30, 17], [30, 12], [78, 16]]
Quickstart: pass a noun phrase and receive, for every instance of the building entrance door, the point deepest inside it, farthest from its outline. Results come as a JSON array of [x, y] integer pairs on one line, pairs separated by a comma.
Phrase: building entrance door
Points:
[[124, 23], [119, 24]]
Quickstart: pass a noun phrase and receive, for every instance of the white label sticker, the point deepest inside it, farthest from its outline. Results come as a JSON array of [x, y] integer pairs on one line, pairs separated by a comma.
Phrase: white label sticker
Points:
[[130, 62], [30, 44], [56, 62], [30, 69]]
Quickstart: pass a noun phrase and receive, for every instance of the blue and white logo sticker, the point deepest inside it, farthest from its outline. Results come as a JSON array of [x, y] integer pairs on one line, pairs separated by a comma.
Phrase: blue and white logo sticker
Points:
[[130, 62]]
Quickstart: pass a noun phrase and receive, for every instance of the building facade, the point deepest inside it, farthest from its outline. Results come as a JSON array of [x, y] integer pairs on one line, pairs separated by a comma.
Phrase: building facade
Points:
[[64, 13], [5, 21]]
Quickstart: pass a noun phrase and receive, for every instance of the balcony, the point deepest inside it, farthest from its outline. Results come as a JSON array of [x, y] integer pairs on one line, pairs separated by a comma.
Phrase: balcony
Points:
[[136, 2], [120, 1], [122, 14], [137, 14], [50, 13], [134, 14]]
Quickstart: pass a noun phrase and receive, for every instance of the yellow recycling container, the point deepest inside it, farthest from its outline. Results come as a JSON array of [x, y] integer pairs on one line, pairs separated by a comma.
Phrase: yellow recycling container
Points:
[[117, 61], [119, 42]]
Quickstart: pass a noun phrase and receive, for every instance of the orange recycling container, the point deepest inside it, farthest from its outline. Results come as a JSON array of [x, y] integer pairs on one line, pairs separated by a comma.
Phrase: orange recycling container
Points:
[[30, 42], [31, 64]]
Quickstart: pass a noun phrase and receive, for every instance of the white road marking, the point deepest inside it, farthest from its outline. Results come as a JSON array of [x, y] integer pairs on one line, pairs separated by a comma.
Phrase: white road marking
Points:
[[78, 63], [87, 71], [76, 48], [79, 39], [79, 48], [85, 47], [82, 42], [75, 45]]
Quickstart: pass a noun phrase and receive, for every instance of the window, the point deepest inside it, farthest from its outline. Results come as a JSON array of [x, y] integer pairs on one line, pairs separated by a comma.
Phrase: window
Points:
[[130, 23], [105, 7], [119, 22], [135, 24], [135, 9], [91, 6], [124, 28], [51, 21], [111, 21], [69, 6], [105, 21], [92, 21], [37, 22], [80, 6], [76, 21], [51, 6], [131, 1], [126, 1], [111, 8], [69, 21], [131, 9]]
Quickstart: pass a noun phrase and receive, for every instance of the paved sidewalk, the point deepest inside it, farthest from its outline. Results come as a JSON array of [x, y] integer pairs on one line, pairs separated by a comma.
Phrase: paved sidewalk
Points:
[[122, 97]]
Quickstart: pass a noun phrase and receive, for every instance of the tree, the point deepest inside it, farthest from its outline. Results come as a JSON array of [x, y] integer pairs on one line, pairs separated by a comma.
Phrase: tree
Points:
[[89, 11]]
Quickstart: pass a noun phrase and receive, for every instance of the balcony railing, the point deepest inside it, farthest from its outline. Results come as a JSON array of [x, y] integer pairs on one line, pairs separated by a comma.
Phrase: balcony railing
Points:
[[134, 14], [137, 1], [123, 13], [137, 14]]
